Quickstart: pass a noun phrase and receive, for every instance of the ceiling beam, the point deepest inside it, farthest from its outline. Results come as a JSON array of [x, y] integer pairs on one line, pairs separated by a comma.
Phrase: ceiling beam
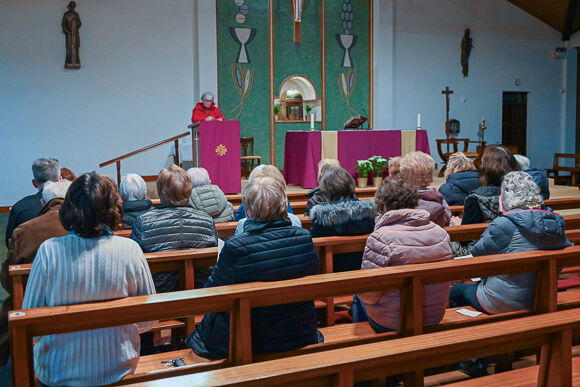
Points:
[[570, 16]]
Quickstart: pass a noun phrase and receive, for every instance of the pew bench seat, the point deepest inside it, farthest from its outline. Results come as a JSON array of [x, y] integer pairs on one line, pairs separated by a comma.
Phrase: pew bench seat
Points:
[[522, 377]]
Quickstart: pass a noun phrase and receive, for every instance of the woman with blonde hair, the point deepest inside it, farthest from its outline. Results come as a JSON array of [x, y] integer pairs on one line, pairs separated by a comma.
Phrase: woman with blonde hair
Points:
[[394, 166], [462, 178], [316, 196], [417, 170]]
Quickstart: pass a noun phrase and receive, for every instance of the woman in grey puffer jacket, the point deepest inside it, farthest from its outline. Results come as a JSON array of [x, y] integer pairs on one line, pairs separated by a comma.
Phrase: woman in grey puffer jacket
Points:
[[524, 224], [403, 235], [209, 198]]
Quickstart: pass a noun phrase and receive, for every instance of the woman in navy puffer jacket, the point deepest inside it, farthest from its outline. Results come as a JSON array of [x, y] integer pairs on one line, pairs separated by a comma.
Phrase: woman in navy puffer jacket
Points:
[[524, 224], [462, 178], [269, 249]]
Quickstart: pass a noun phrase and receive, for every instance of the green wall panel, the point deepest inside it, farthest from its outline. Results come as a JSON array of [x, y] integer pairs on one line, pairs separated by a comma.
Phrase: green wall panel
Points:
[[337, 109], [295, 59], [291, 59], [254, 119]]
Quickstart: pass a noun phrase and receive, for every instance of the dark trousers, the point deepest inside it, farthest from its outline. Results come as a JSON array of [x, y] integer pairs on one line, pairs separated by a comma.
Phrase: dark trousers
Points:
[[465, 295]]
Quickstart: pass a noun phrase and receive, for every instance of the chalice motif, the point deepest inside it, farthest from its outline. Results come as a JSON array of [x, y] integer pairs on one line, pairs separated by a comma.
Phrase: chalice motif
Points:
[[243, 36]]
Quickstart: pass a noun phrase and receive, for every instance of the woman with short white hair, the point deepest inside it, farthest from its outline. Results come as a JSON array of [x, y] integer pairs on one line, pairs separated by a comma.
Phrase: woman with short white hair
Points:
[[206, 109], [526, 224], [208, 197], [269, 249], [417, 169], [135, 203]]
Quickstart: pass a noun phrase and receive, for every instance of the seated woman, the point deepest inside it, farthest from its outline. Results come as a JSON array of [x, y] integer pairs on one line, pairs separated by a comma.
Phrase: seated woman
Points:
[[462, 178], [403, 235], [525, 225], [85, 266], [344, 214], [315, 196], [394, 166], [135, 203], [539, 175], [209, 198], [174, 225], [265, 170], [206, 109], [482, 205], [417, 169], [270, 249]]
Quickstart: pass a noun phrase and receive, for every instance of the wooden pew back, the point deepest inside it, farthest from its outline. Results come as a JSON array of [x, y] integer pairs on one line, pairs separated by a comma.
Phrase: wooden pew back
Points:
[[239, 299]]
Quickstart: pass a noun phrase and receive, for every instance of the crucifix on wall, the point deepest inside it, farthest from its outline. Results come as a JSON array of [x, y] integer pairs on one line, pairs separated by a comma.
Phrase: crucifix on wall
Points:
[[447, 92], [297, 4]]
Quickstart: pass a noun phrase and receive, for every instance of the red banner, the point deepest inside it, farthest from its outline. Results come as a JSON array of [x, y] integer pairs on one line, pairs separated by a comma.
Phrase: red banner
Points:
[[219, 153]]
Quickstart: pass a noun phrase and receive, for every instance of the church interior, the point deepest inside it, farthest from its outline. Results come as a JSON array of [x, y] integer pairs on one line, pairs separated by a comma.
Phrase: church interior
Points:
[[110, 86]]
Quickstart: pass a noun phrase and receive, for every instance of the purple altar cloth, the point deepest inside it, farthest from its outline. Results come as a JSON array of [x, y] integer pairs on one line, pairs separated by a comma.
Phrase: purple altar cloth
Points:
[[303, 150]]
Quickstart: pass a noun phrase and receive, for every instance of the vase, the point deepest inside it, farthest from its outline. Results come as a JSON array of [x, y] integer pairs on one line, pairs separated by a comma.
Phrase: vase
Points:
[[363, 182], [377, 181]]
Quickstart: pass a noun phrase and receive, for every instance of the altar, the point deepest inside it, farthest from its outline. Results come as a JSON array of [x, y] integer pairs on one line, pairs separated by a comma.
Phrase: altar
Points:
[[303, 150]]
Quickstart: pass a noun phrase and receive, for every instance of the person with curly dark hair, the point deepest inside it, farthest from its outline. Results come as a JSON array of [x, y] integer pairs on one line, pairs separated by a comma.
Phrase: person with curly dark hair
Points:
[[88, 264], [403, 235]]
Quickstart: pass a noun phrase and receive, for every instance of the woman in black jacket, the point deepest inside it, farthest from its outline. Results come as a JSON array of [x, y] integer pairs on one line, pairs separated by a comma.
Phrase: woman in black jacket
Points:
[[344, 214], [269, 249]]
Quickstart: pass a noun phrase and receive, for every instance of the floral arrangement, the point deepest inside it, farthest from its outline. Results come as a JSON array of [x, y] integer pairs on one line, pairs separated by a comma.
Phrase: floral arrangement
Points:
[[378, 165], [363, 167]]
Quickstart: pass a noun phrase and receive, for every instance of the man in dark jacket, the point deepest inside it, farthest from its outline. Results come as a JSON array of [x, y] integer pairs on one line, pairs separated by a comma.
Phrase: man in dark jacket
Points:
[[523, 225], [24, 243], [269, 249], [43, 170], [174, 225], [540, 176]]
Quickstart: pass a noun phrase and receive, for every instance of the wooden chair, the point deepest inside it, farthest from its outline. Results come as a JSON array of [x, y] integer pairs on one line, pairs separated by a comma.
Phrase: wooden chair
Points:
[[574, 171], [248, 159], [454, 142]]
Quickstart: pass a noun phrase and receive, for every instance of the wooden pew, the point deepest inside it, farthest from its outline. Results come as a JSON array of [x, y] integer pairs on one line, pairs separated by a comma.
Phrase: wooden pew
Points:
[[186, 261], [300, 196], [345, 366], [557, 168], [239, 299], [555, 204]]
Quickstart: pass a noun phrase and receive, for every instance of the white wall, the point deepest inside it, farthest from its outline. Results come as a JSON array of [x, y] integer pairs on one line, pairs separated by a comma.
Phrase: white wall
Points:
[[144, 63], [418, 54], [135, 86]]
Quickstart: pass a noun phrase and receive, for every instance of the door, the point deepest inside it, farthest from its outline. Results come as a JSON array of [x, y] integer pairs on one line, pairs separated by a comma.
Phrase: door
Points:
[[514, 120]]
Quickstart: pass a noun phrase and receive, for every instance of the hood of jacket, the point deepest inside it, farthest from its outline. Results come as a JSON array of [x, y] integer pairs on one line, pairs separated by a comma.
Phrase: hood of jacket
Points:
[[465, 181], [436, 206], [411, 217], [209, 198], [487, 197], [540, 225], [200, 107], [137, 205], [53, 205], [342, 211]]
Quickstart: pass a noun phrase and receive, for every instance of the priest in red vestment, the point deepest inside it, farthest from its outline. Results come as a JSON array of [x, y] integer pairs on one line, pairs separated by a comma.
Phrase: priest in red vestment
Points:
[[206, 109]]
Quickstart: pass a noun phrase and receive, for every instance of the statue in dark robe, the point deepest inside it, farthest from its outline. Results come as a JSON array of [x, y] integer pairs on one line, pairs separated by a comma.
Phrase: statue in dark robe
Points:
[[71, 23], [466, 46]]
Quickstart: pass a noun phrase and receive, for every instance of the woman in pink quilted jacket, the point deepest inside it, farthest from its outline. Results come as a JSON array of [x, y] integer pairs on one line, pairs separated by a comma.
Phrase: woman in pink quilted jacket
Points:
[[403, 235]]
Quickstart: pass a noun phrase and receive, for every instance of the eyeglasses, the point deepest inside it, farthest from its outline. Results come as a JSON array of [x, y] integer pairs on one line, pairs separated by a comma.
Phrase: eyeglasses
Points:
[[207, 100]]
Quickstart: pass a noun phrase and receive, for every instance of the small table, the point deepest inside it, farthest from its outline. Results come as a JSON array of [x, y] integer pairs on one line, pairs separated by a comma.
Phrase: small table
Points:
[[303, 150]]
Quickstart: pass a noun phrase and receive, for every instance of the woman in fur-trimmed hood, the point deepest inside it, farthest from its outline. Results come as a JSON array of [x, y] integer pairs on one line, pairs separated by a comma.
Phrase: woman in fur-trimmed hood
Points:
[[344, 214]]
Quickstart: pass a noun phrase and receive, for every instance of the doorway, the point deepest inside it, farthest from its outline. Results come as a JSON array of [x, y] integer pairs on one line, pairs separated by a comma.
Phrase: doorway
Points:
[[514, 120]]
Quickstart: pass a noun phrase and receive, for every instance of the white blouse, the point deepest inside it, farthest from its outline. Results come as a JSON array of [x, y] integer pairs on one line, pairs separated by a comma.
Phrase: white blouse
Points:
[[72, 270]]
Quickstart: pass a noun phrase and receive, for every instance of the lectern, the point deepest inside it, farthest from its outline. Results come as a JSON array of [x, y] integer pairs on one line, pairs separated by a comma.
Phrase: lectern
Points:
[[216, 147]]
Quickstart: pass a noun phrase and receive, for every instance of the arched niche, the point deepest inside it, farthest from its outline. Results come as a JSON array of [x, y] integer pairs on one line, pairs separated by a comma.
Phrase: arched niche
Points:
[[295, 94]]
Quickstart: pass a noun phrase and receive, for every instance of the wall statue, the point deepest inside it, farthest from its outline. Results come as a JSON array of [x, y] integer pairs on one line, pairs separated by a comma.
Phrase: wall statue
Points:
[[466, 46], [71, 23]]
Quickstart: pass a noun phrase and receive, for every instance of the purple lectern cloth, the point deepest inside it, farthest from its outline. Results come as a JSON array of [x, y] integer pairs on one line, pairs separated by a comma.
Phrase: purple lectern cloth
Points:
[[302, 152], [219, 153]]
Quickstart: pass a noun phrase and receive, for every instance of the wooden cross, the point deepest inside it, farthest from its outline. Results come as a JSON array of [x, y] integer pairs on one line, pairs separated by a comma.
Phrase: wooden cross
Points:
[[447, 91], [297, 5]]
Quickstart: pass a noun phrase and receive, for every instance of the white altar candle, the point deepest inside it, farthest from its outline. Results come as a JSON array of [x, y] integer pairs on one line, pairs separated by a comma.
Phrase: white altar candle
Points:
[[312, 121], [419, 120]]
